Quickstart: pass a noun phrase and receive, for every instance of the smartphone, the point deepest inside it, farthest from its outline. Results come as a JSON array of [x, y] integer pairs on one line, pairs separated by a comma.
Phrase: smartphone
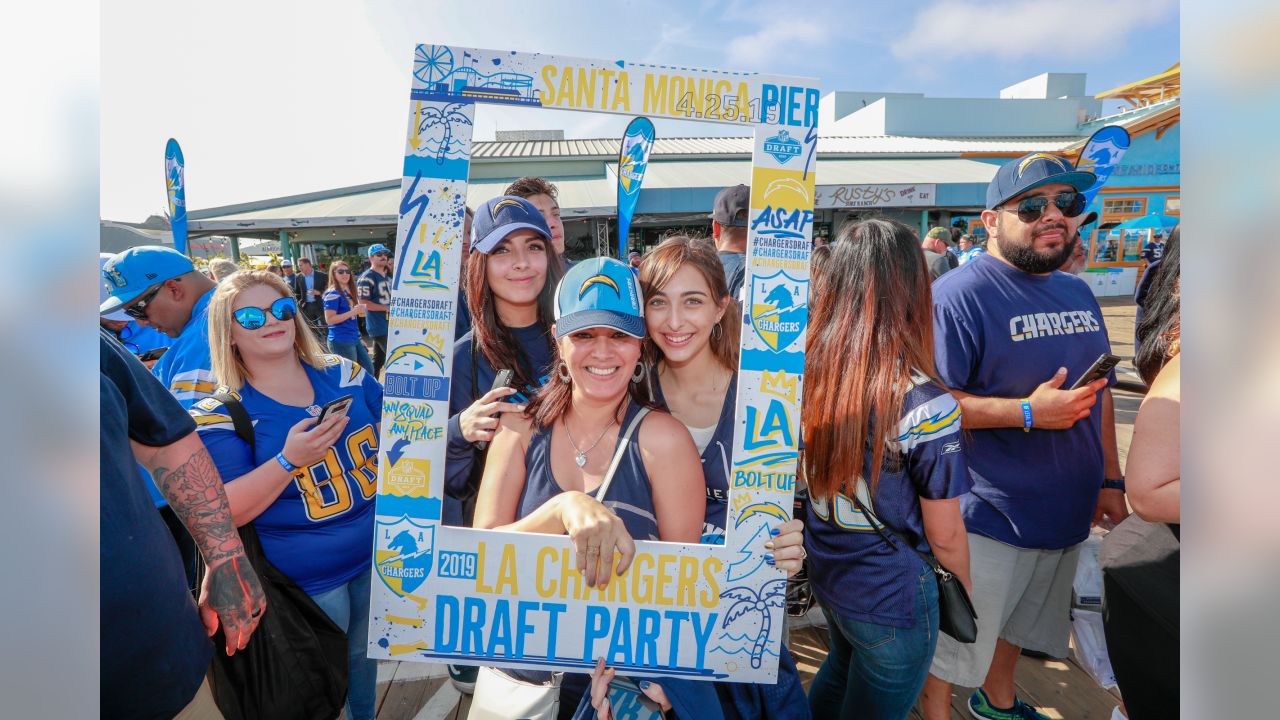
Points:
[[628, 701], [502, 379], [337, 406], [1098, 370], [153, 354]]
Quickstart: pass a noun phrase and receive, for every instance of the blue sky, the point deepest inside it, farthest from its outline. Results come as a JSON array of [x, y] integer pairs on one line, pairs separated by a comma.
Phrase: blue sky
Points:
[[277, 98]]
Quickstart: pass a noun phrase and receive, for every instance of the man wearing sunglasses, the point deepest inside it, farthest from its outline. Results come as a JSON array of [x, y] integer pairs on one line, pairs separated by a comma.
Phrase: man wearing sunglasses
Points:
[[1011, 334], [374, 287]]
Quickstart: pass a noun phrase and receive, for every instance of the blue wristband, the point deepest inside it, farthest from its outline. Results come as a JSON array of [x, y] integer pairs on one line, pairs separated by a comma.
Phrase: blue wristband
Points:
[[1113, 484], [288, 466], [1026, 414]]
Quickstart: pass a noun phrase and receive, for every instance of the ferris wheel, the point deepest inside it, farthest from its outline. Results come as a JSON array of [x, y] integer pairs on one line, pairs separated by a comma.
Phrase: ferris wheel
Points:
[[433, 63]]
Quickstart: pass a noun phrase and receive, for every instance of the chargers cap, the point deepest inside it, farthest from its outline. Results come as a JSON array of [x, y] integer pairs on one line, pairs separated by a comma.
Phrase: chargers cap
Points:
[[1031, 171], [130, 273], [377, 248], [104, 289], [600, 292], [502, 216]]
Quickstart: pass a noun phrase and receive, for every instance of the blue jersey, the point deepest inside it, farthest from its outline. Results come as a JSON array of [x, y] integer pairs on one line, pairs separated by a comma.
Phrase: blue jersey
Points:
[[854, 571], [970, 254], [347, 331], [138, 339], [376, 288], [716, 461], [1000, 332], [319, 531], [186, 369], [466, 386]]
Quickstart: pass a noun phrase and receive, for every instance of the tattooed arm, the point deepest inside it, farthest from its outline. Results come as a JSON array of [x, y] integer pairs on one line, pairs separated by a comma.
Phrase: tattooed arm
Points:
[[188, 479]]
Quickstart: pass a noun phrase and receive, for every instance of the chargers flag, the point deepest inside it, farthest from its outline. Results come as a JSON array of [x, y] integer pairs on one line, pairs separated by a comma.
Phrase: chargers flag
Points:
[[175, 187], [633, 160], [1101, 156]]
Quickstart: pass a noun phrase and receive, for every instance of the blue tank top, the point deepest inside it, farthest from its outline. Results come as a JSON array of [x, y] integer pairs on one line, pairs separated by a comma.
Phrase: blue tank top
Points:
[[630, 495], [716, 462]]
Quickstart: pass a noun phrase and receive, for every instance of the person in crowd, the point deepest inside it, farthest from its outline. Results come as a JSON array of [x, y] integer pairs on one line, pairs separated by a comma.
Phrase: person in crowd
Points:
[[309, 286], [633, 259], [510, 282], [155, 648], [1140, 558], [341, 308], [943, 245], [1143, 291], [871, 352], [543, 196], [970, 248], [307, 487], [286, 267], [375, 293], [1010, 336], [547, 463], [1154, 249], [729, 230], [953, 245], [221, 268], [462, 321], [135, 338], [276, 270], [691, 345], [936, 258], [1075, 262]]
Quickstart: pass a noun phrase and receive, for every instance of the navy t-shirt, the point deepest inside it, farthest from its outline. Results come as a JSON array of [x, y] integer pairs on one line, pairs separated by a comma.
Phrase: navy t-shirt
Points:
[[347, 331], [735, 271], [717, 459], [534, 347], [854, 571], [376, 288], [1000, 332], [154, 651]]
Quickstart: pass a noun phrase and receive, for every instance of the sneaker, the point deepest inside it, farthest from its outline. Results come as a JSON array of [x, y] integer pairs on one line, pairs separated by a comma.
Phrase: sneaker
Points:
[[464, 677], [982, 709]]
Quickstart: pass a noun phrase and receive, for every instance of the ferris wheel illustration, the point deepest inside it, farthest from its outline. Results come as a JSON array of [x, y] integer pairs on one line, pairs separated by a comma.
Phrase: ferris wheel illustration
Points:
[[432, 64]]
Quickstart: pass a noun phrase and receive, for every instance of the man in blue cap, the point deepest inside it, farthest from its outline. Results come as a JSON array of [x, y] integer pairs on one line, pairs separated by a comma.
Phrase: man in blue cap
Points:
[[1010, 336], [374, 287]]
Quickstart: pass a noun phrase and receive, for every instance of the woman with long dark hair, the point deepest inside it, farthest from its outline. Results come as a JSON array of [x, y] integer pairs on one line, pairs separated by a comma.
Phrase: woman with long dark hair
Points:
[[882, 454], [341, 308]]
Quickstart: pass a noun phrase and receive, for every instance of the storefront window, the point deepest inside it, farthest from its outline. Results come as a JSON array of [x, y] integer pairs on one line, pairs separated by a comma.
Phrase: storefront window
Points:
[[1173, 205]]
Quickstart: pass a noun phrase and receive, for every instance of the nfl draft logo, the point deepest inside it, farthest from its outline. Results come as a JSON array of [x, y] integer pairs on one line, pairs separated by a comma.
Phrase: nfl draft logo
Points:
[[404, 555], [779, 309], [782, 147]]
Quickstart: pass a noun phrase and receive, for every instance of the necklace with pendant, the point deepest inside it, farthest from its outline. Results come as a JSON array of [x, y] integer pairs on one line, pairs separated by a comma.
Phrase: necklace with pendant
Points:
[[580, 456]]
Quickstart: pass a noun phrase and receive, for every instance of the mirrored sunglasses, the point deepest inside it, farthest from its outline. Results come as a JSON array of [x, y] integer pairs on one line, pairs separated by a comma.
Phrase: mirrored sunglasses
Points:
[[1031, 209], [138, 310], [252, 318]]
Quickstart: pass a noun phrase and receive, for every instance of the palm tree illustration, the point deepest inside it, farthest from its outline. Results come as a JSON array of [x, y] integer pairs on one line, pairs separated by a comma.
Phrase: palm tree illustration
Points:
[[772, 594], [433, 116]]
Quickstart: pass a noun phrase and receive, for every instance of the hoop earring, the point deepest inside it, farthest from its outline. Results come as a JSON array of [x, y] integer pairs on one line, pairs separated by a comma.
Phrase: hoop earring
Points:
[[562, 372], [717, 332], [638, 374]]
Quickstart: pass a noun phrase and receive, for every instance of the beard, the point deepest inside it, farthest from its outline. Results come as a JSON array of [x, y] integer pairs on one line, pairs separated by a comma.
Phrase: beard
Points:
[[1024, 256]]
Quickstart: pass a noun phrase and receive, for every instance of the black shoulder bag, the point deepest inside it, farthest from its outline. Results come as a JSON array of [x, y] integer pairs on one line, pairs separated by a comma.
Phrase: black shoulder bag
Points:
[[956, 616], [295, 665]]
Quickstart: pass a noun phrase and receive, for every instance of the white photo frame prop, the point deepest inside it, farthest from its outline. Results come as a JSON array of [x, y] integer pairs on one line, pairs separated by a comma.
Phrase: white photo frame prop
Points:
[[515, 600]]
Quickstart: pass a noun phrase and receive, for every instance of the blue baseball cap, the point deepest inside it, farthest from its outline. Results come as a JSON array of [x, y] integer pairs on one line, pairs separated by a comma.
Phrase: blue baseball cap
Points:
[[130, 273], [104, 289], [1031, 171], [377, 248], [600, 292], [502, 216]]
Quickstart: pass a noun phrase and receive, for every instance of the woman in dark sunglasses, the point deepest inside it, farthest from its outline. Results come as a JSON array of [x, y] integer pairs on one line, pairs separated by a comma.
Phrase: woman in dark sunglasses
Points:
[[341, 308], [307, 487]]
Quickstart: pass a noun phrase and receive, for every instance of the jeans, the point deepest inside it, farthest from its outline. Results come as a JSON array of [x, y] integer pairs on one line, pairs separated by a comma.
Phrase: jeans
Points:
[[353, 351], [873, 671], [379, 352], [348, 606]]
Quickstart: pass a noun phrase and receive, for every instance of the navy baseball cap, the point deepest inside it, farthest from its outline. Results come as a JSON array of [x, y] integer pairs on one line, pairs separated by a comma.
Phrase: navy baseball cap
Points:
[[502, 216], [377, 248], [732, 206], [1031, 171], [600, 292], [130, 273]]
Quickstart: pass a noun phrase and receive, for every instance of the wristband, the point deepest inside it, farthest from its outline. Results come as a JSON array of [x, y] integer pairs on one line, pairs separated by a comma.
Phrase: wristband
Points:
[[1113, 484], [288, 466], [1026, 414]]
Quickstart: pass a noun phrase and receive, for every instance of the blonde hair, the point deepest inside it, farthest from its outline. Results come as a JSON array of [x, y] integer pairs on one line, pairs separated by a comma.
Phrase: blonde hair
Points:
[[222, 268], [228, 367]]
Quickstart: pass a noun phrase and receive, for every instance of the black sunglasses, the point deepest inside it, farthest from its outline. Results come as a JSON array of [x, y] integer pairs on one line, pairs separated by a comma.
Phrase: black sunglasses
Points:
[[138, 310], [1070, 204], [252, 318], [342, 271], [379, 254]]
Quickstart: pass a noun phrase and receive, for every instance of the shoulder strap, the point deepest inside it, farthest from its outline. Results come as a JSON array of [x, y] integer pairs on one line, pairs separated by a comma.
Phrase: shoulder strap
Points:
[[880, 526], [239, 416], [617, 456]]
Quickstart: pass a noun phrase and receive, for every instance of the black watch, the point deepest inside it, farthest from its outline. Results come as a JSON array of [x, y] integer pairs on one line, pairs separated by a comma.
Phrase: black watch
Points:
[[1113, 484]]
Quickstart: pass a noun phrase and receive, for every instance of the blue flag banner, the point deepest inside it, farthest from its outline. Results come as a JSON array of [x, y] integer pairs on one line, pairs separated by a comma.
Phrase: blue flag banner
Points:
[[633, 160], [175, 187], [1101, 156]]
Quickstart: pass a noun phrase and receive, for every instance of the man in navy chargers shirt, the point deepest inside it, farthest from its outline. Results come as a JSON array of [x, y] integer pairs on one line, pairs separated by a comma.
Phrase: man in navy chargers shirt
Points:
[[1011, 335]]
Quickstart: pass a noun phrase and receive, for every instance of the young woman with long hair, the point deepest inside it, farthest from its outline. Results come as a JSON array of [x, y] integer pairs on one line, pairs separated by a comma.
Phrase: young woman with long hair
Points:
[[341, 308], [881, 450], [308, 489]]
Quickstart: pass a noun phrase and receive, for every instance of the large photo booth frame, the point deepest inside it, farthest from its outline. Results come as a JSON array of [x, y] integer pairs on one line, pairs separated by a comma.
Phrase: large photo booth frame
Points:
[[515, 600]]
